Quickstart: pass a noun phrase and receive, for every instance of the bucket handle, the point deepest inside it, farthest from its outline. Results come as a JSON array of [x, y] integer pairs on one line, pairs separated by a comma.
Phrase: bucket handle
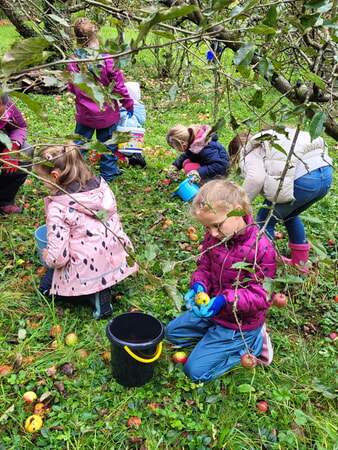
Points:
[[138, 358]]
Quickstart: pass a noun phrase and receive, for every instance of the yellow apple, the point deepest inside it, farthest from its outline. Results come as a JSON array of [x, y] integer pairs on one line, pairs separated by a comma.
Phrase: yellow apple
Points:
[[202, 297]]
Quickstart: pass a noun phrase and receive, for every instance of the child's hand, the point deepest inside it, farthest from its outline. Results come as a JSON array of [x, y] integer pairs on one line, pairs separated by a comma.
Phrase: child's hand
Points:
[[190, 296], [193, 176], [44, 254], [211, 309], [173, 173]]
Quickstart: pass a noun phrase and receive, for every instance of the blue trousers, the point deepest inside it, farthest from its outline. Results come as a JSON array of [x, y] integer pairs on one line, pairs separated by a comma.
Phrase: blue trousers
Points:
[[308, 189], [108, 163], [217, 349]]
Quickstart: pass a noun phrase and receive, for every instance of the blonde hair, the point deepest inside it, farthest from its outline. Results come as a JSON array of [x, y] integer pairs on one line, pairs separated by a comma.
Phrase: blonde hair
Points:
[[220, 195], [85, 30], [68, 161], [180, 134]]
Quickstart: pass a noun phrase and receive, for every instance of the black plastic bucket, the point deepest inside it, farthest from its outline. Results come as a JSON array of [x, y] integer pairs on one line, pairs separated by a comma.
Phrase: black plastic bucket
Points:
[[135, 343]]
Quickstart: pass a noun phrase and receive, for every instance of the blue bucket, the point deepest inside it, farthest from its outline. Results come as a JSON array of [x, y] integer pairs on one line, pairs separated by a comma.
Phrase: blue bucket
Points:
[[186, 191], [41, 241]]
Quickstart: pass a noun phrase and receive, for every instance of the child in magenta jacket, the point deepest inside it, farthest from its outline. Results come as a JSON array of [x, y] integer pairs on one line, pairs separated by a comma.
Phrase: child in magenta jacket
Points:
[[14, 126], [90, 117], [236, 313]]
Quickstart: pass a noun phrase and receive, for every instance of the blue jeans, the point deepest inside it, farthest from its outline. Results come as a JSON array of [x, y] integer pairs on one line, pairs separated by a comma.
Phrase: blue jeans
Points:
[[217, 349], [308, 189], [108, 163]]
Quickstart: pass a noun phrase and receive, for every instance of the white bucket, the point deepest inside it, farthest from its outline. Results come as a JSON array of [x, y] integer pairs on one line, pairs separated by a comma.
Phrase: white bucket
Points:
[[135, 143]]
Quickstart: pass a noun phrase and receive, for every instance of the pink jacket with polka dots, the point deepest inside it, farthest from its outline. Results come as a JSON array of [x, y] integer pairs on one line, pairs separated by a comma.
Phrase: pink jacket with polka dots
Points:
[[243, 289], [86, 256]]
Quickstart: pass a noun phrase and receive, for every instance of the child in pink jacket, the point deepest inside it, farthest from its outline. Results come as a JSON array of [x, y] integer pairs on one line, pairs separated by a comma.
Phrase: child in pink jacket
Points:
[[87, 255], [235, 260]]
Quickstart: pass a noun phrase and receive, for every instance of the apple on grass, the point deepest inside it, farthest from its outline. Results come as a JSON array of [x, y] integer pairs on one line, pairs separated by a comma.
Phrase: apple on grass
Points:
[[29, 396], [333, 336], [262, 406], [180, 357], [248, 361], [280, 300], [71, 339], [133, 421]]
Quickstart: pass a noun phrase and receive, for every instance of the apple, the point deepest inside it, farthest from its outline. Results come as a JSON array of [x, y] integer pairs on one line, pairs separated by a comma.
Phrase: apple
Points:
[[82, 353], [279, 300], [71, 339], [262, 406], [278, 235], [331, 242], [55, 330], [33, 423], [29, 396], [180, 357], [165, 181], [133, 421], [336, 298], [248, 361], [39, 408], [106, 356], [5, 369], [333, 336], [191, 230], [193, 236], [202, 297]]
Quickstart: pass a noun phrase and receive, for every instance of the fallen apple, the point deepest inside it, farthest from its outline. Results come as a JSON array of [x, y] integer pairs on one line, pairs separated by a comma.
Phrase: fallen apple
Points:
[[71, 339], [262, 406], [248, 361], [165, 181], [191, 229], [133, 421], [82, 353], [333, 336], [5, 369], [279, 300], [55, 330], [180, 357], [29, 396], [278, 235], [38, 408], [336, 298], [193, 236], [202, 298], [33, 423]]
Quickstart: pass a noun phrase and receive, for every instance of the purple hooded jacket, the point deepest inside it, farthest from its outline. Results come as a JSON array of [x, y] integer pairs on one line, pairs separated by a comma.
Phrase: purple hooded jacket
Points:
[[13, 124], [87, 111], [216, 273]]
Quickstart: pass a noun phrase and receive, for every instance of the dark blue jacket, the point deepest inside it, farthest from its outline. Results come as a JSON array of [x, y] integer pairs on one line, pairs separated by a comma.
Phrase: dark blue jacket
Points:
[[213, 158]]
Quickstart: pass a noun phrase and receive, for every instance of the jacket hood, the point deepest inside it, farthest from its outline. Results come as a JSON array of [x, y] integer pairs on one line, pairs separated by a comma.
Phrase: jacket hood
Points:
[[134, 90], [88, 202], [200, 140]]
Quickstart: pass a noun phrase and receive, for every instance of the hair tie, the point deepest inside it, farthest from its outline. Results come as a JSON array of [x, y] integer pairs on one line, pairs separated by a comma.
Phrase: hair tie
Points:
[[170, 139], [49, 157], [63, 149]]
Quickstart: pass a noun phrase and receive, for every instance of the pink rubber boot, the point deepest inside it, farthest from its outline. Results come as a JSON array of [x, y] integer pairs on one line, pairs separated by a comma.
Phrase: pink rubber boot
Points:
[[300, 256]]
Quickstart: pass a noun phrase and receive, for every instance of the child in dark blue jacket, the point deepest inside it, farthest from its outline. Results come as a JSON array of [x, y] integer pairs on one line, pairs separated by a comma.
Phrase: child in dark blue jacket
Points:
[[203, 157]]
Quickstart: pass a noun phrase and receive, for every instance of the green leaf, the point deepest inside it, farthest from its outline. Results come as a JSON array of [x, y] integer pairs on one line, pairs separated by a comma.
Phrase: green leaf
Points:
[[317, 126], [316, 4], [238, 10], [327, 391], [243, 265], [246, 388], [257, 99], [159, 17], [271, 17], [215, 128], [315, 79], [33, 105], [262, 29], [266, 68], [244, 54], [4, 139], [237, 213], [300, 417], [25, 53]]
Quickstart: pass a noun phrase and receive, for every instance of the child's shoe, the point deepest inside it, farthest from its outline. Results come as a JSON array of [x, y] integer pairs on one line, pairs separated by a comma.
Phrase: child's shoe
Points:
[[10, 209], [101, 303]]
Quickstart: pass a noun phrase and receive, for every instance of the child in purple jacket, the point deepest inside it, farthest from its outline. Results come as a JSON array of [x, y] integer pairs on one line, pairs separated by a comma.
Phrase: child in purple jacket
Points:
[[235, 259], [14, 127], [89, 115]]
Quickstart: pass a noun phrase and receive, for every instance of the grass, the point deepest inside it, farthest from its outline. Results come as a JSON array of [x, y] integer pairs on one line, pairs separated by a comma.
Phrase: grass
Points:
[[84, 407]]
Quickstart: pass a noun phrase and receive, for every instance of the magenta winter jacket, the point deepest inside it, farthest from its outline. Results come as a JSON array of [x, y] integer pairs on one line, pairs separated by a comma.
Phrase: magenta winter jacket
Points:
[[215, 272], [13, 124], [87, 257], [87, 111]]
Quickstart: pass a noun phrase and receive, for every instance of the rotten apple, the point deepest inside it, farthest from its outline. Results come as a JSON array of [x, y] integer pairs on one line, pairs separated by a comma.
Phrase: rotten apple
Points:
[[248, 361]]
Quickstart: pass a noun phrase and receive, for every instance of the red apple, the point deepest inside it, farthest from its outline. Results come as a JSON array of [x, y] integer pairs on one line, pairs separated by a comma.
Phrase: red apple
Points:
[[262, 406], [333, 336], [248, 361], [278, 235], [336, 298], [71, 339], [331, 242], [165, 181], [180, 357], [29, 396], [279, 300], [133, 421]]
